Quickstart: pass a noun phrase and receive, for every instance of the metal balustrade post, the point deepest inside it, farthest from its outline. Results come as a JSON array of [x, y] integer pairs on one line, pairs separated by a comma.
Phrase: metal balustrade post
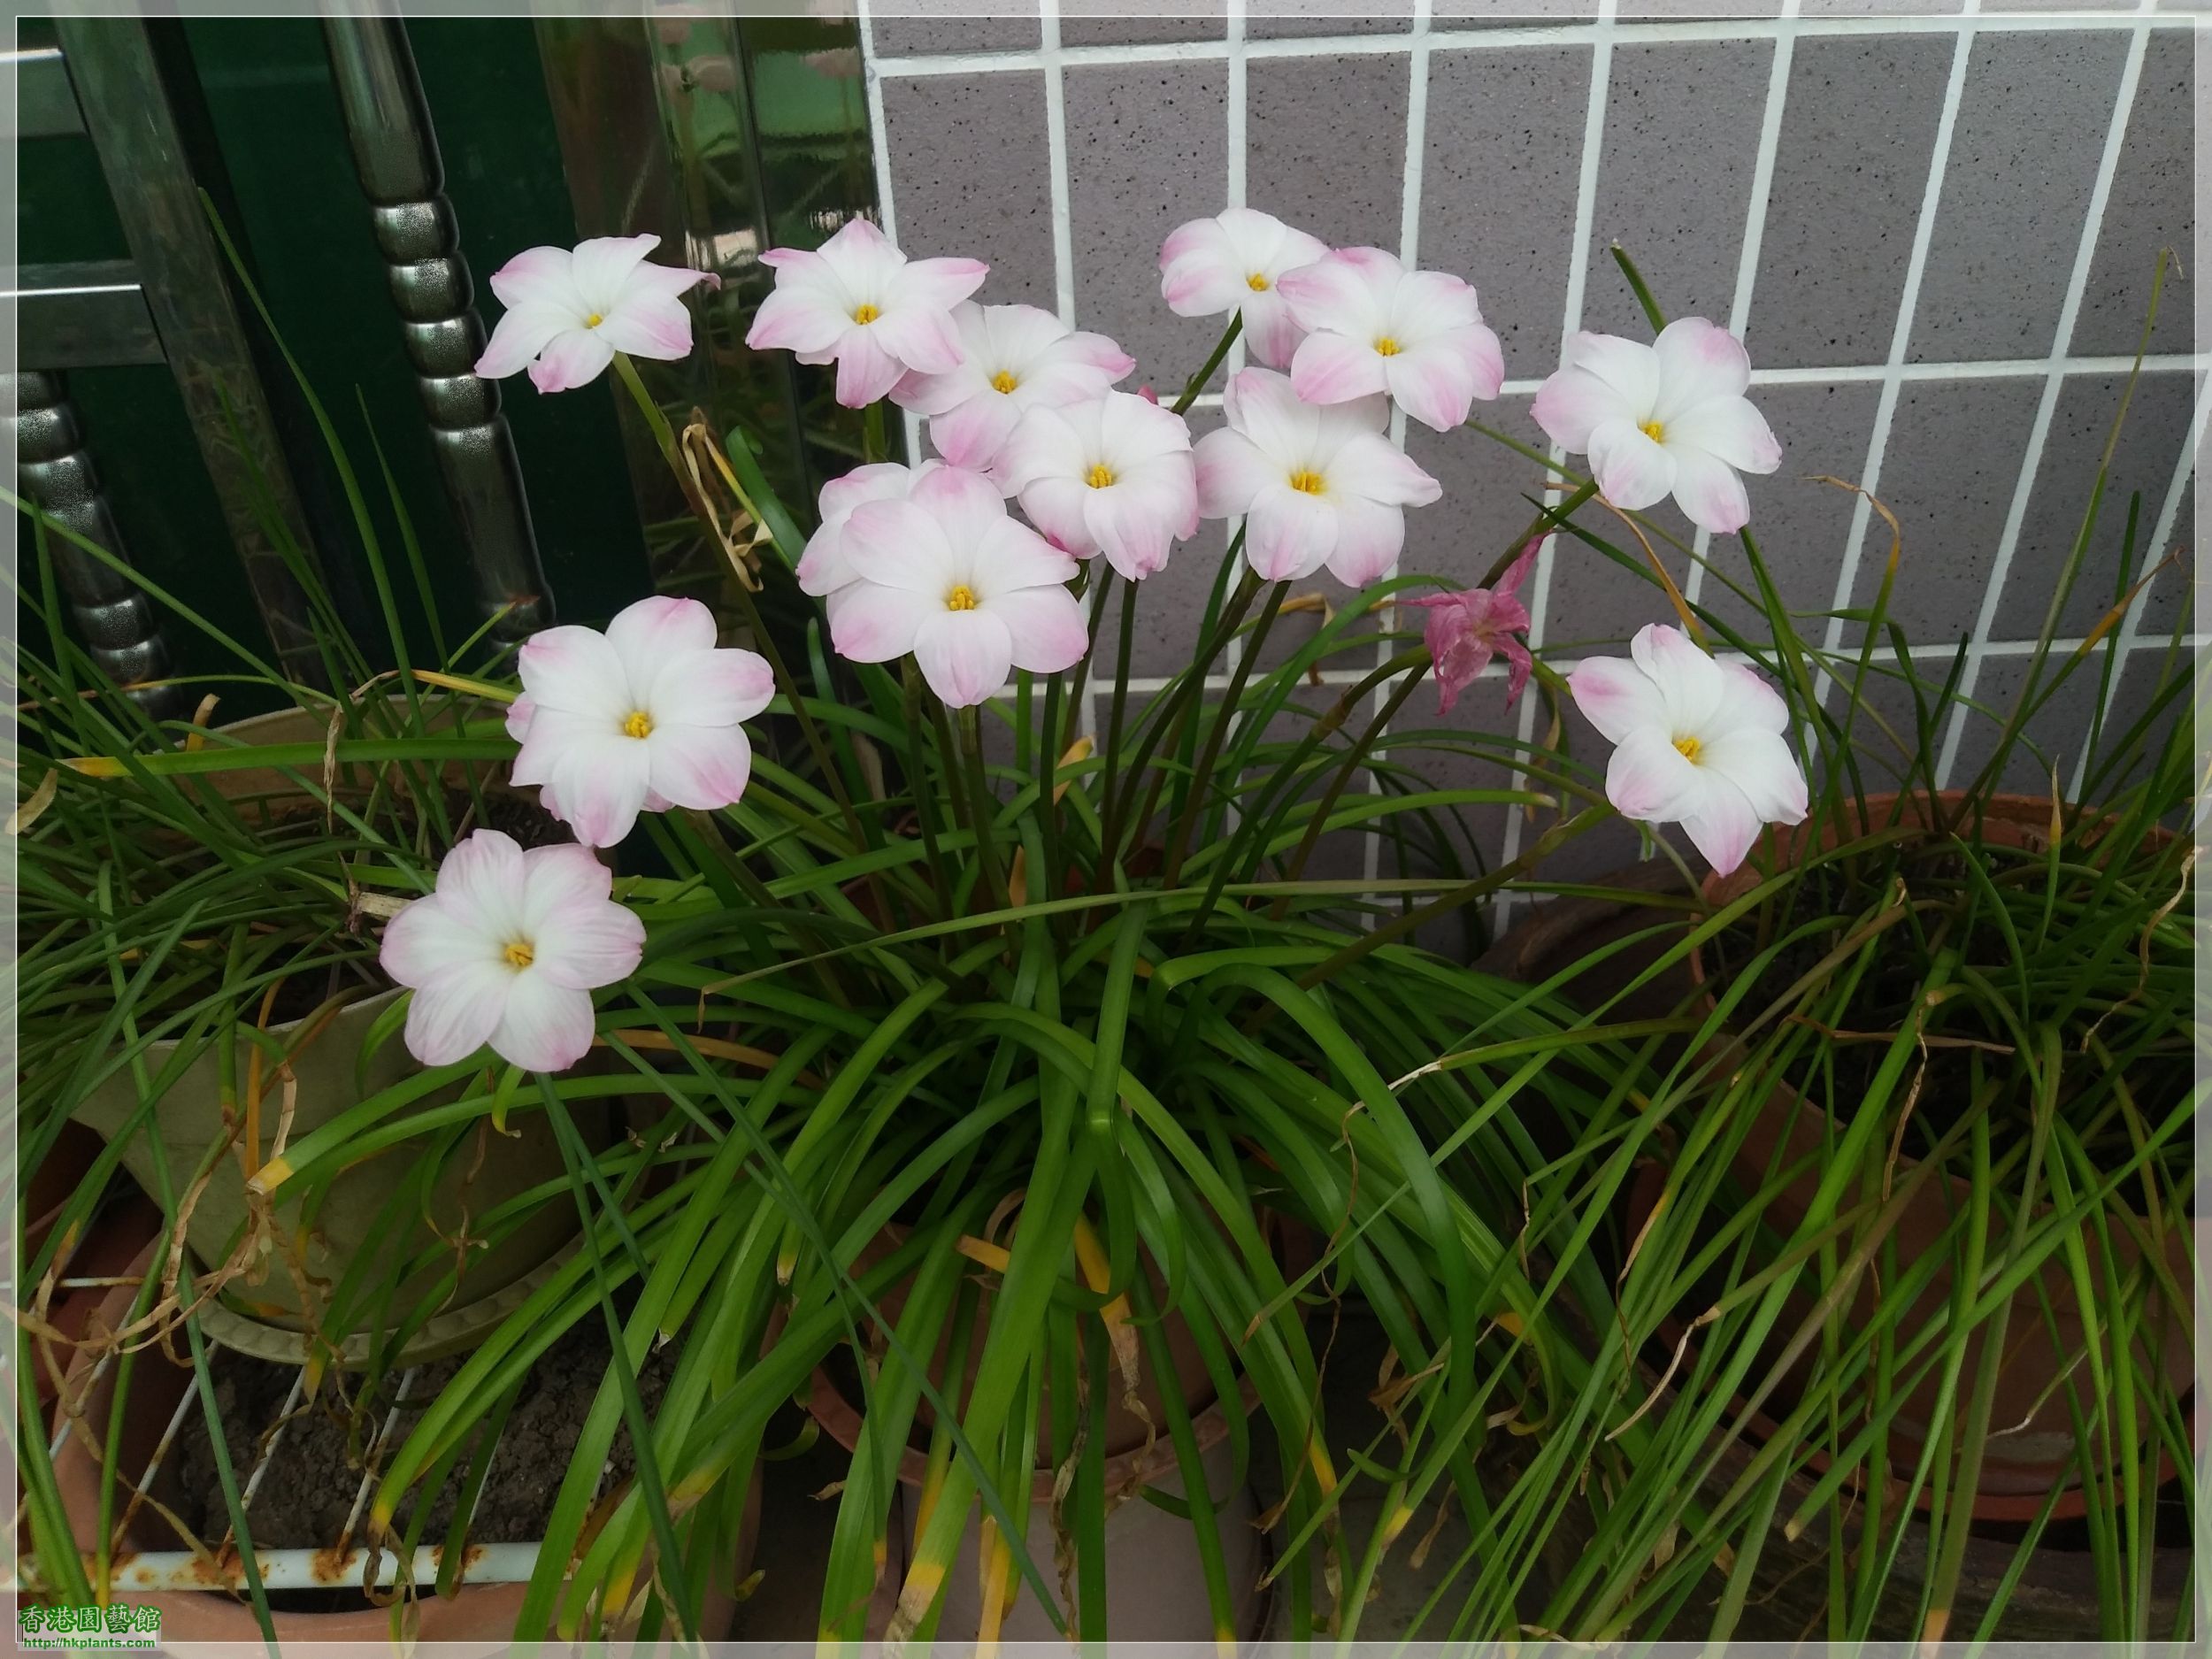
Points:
[[55, 470], [396, 155]]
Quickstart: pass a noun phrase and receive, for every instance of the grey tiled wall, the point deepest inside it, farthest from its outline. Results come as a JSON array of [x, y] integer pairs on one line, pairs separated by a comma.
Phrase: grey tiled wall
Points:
[[1934, 224]]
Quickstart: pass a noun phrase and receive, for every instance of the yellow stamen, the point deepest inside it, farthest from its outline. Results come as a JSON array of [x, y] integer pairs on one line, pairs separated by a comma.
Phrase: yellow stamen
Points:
[[1386, 347], [638, 725], [1256, 283], [866, 314], [1689, 748], [1003, 382], [961, 598], [1099, 477], [519, 955], [1654, 430], [1307, 482], [594, 320]]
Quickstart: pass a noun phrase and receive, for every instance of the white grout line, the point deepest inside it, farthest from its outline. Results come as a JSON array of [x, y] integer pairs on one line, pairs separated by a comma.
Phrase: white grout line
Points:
[[1056, 161], [2054, 382], [887, 213], [1900, 332], [1656, 31], [1233, 191], [2154, 549], [1754, 229], [1578, 277], [1410, 209]]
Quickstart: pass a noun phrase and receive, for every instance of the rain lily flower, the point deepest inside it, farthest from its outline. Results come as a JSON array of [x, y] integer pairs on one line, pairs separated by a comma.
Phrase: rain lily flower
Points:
[[643, 716], [569, 311], [1231, 262], [1013, 359], [1113, 475], [1697, 742], [946, 574], [508, 950], [1318, 484], [1666, 418], [1372, 325], [860, 303], [825, 568], [1465, 630]]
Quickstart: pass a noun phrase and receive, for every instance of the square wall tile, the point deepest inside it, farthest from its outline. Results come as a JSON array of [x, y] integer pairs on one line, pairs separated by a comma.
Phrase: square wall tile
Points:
[[1486, 495], [2151, 208], [1849, 170], [2151, 446], [1504, 158], [2053, 737], [1949, 472], [2029, 130], [938, 130], [1274, 19], [1884, 8], [1148, 148], [1802, 527], [1509, 14], [1325, 144], [1128, 22], [949, 28], [1674, 178]]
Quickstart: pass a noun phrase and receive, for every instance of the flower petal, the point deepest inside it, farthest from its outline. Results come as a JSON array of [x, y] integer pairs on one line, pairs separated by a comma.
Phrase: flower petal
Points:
[[1632, 470], [922, 340], [964, 654], [480, 881], [866, 370], [1332, 368], [453, 1016], [1288, 535], [1368, 539], [1437, 381], [1575, 403], [1748, 700], [1629, 367], [1759, 765], [1265, 408], [574, 668], [1689, 680], [702, 767], [1698, 361], [1617, 697], [1651, 781], [873, 624], [1368, 466], [601, 267], [570, 360], [430, 937], [1722, 824], [1270, 332], [796, 319], [1709, 492], [718, 688], [647, 635], [599, 782], [648, 325], [545, 1026], [1045, 626], [972, 434], [538, 276], [935, 285], [520, 335], [1731, 428], [1231, 471]]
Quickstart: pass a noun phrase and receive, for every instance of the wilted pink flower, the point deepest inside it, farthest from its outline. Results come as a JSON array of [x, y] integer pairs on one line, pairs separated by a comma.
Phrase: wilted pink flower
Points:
[[1464, 630], [1666, 418], [1699, 742], [1014, 358], [860, 303], [641, 718], [569, 311], [1372, 325], [1318, 484], [1231, 262], [1111, 475], [947, 575], [508, 950]]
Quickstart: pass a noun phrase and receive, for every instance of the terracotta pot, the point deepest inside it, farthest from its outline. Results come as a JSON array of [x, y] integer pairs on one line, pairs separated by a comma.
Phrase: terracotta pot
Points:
[[1156, 1589], [479, 1614], [113, 1244], [263, 1316], [2021, 1465], [56, 1180]]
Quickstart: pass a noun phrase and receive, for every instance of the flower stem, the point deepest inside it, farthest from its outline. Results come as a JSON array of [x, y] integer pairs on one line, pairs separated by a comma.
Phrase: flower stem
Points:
[[1197, 382], [1548, 519], [874, 445], [1359, 752], [925, 793], [992, 884], [1225, 716]]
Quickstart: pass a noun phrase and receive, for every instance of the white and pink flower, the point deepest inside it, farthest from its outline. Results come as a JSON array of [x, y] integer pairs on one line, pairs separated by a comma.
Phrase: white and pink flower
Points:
[[946, 574], [641, 718], [1111, 475], [508, 950], [1668, 418], [1014, 358], [860, 303], [1233, 262], [1466, 629], [1697, 742], [569, 311], [1372, 325], [1318, 484], [826, 569]]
